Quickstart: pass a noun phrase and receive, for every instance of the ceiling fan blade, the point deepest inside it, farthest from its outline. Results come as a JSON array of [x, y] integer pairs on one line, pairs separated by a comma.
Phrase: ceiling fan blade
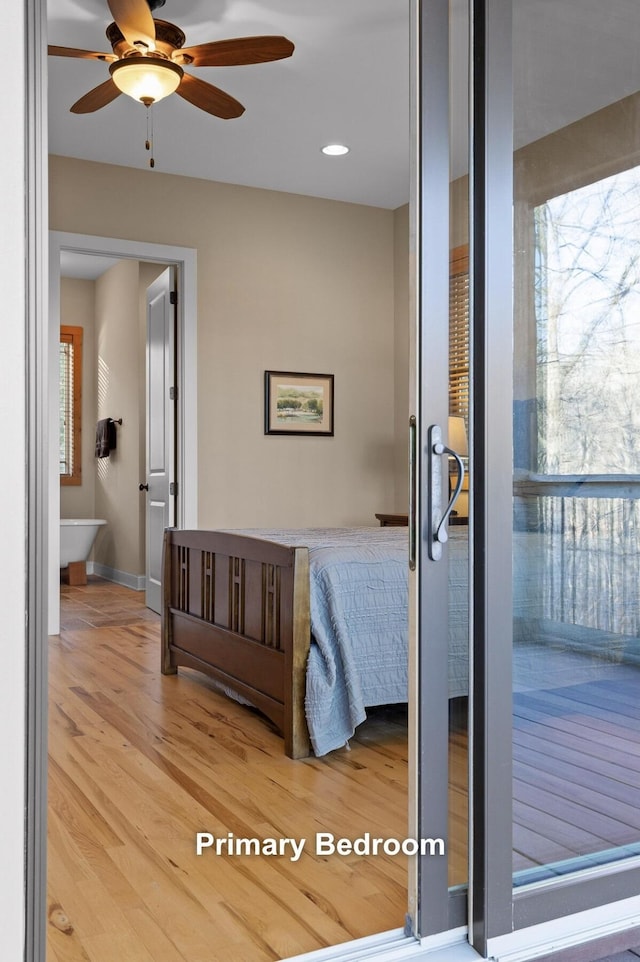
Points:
[[81, 54], [242, 50], [209, 98], [98, 97], [133, 19]]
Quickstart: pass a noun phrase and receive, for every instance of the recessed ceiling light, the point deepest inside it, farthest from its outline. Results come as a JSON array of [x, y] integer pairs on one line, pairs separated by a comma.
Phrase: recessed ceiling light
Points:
[[335, 150]]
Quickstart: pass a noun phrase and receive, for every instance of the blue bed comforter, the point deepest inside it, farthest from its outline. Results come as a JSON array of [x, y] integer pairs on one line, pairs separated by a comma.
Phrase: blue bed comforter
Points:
[[359, 624]]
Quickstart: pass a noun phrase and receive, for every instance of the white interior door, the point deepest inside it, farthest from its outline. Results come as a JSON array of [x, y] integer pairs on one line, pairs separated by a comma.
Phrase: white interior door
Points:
[[161, 392]]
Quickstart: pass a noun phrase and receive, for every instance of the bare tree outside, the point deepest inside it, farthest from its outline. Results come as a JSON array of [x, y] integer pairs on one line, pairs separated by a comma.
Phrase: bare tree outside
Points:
[[587, 280], [587, 317]]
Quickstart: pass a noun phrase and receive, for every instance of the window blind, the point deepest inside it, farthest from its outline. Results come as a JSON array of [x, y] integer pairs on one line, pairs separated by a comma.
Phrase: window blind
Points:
[[70, 411], [459, 333], [66, 404]]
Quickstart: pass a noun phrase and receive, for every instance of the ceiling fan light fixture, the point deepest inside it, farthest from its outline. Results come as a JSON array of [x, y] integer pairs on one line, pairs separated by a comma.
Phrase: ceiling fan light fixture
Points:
[[147, 79]]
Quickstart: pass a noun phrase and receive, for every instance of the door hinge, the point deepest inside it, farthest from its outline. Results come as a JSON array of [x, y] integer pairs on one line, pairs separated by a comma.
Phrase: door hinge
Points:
[[173, 489], [173, 393], [173, 297]]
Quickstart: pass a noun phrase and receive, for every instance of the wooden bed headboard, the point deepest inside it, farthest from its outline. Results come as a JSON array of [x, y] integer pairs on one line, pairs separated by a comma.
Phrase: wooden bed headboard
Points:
[[237, 608]]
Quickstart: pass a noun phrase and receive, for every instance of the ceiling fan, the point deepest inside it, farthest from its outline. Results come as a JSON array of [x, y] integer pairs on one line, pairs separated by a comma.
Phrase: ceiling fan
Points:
[[148, 60]]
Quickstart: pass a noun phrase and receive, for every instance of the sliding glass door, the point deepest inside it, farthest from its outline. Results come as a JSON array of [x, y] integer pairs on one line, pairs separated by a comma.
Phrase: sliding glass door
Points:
[[576, 420], [576, 523], [555, 202], [440, 478], [535, 227], [526, 379]]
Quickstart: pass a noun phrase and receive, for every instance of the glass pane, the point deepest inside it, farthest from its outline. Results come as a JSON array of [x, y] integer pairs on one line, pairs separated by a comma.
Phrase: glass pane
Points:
[[458, 439], [576, 680], [587, 309]]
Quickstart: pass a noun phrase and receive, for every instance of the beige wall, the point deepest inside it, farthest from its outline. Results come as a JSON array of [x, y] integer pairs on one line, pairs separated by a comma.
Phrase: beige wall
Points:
[[285, 282], [77, 306], [401, 358], [594, 147], [459, 212], [118, 500]]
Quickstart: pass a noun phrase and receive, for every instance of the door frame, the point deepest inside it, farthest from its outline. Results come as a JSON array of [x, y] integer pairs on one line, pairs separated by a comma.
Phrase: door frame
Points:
[[437, 910], [184, 259], [617, 917]]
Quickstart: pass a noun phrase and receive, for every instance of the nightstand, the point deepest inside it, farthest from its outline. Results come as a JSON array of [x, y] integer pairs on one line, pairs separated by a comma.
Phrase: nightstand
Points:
[[402, 520], [393, 520]]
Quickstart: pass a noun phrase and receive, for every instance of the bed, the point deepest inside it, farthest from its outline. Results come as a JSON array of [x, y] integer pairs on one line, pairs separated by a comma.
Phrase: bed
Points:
[[309, 625]]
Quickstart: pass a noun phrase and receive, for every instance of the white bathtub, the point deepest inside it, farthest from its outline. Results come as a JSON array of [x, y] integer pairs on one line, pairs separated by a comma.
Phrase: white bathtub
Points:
[[76, 538]]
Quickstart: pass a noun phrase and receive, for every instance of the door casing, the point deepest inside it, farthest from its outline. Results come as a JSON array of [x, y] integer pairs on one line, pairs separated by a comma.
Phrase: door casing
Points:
[[184, 259]]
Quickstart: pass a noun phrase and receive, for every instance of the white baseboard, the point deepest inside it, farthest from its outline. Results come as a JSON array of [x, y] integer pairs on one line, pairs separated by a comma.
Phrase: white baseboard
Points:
[[137, 582]]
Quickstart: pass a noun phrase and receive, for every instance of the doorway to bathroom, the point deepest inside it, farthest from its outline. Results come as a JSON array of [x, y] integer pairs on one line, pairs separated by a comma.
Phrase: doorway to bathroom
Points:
[[118, 358]]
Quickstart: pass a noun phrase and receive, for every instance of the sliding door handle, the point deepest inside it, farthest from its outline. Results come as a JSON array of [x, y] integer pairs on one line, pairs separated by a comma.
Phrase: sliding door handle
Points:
[[437, 520], [441, 533]]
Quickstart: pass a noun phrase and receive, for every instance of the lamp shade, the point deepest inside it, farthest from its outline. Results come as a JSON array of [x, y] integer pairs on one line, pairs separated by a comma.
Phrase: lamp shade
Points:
[[147, 79], [458, 436]]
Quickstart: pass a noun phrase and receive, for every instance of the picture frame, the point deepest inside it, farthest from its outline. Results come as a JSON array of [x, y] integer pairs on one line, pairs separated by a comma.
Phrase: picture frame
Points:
[[298, 403]]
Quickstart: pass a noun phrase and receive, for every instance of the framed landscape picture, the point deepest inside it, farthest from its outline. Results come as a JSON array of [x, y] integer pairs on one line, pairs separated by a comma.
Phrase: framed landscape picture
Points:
[[298, 403]]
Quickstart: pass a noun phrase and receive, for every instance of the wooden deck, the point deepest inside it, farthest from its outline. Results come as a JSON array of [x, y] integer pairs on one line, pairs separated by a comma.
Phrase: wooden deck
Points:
[[140, 762], [577, 770]]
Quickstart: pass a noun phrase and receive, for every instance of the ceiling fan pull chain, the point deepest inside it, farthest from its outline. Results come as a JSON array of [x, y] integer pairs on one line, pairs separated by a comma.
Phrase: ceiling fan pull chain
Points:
[[149, 141]]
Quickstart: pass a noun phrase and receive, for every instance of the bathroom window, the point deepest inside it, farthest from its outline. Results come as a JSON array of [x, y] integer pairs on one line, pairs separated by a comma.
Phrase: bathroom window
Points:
[[70, 404]]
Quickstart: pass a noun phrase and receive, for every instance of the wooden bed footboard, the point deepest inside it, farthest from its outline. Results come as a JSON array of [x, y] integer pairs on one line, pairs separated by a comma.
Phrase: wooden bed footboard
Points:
[[237, 608]]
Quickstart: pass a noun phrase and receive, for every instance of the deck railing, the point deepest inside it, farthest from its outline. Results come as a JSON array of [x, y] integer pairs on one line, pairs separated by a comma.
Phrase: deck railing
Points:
[[582, 566]]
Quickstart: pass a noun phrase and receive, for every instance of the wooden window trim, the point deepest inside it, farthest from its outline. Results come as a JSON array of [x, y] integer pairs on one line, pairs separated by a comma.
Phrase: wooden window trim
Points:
[[73, 335]]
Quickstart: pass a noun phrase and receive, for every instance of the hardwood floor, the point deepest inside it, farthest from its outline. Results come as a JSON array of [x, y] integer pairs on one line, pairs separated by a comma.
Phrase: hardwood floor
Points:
[[139, 763]]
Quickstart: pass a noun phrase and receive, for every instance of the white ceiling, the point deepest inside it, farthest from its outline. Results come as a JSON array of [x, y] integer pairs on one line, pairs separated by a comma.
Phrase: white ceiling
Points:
[[347, 81], [86, 267]]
